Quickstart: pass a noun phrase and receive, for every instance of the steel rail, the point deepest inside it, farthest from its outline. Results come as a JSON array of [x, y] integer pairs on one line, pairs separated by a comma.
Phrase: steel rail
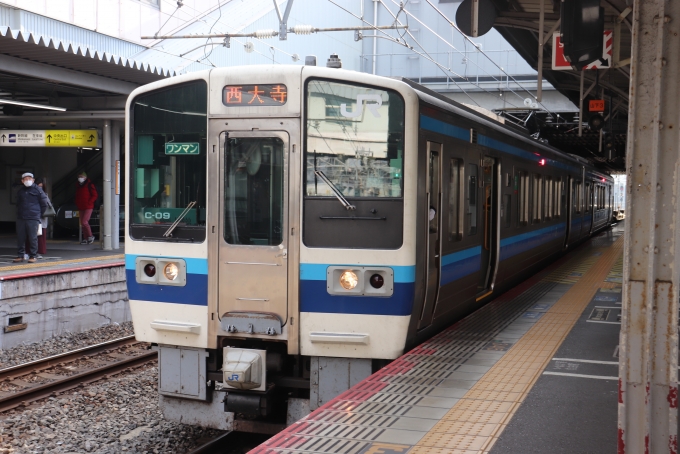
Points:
[[51, 361], [216, 445], [41, 391]]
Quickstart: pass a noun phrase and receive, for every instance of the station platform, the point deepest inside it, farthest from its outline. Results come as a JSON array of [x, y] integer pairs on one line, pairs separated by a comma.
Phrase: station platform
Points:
[[61, 256], [534, 371]]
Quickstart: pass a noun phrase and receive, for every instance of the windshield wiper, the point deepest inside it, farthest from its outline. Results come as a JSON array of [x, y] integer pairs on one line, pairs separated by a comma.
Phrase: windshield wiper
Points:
[[336, 191], [179, 218]]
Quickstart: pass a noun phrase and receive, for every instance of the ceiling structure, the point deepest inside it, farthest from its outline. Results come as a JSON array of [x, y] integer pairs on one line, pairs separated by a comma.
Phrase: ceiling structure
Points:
[[518, 22]]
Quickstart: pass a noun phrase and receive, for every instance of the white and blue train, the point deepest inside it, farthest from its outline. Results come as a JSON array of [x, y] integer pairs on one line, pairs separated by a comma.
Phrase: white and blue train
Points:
[[292, 228]]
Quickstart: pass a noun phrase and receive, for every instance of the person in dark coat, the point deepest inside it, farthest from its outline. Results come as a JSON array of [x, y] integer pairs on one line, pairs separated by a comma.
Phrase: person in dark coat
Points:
[[86, 196], [31, 206]]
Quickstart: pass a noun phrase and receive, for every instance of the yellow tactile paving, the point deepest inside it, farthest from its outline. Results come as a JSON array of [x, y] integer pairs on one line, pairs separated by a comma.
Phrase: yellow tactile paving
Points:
[[61, 262], [478, 418]]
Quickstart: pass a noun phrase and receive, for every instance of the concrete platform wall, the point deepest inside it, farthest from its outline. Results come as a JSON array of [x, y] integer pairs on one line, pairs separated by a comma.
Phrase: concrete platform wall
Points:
[[51, 305]]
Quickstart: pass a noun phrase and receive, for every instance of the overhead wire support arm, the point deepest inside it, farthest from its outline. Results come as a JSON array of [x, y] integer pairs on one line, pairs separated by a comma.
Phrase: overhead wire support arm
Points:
[[298, 29]]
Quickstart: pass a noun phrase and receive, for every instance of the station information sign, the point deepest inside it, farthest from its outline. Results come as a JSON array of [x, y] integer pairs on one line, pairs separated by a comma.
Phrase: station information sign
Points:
[[254, 95], [49, 138]]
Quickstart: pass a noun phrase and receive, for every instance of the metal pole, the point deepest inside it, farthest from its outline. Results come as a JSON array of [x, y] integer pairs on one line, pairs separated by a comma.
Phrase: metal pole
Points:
[[648, 347], [541, 17], [106, 184], [375, 40], [580, 108], [115, 185]]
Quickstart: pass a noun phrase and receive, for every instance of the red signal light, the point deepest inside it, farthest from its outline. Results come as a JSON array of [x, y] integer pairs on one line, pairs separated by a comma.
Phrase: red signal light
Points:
[[542, 162]]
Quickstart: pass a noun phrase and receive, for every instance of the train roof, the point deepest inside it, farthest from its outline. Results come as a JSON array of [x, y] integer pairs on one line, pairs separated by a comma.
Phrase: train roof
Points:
[[441, 101]]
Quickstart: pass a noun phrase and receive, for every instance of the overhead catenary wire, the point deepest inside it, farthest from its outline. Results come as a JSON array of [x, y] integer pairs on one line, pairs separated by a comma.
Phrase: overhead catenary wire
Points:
[[467, 38], [452, 80], [405, 44]]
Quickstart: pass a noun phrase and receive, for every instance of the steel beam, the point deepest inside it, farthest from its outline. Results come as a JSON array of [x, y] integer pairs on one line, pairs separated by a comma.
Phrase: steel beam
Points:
[[65, 76], [105, 226], [115, 184], [541, 17], [648, 351]]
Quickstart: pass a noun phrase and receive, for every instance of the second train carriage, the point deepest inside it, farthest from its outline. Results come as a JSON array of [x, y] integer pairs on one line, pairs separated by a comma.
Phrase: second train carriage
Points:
[[291, 228]]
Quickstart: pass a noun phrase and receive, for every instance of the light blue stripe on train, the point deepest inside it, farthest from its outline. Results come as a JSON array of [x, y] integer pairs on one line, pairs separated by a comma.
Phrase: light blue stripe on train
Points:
[[317, 271], [194, 266]]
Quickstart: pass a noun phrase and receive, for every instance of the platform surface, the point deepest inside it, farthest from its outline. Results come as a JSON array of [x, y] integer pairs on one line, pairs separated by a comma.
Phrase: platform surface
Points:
[[533, 371], [61, 255]]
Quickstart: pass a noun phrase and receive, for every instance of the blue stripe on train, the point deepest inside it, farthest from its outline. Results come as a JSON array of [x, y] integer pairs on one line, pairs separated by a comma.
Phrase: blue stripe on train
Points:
[[440, 127], [314, 297], [521, 243], [195, 292], [460, 264]]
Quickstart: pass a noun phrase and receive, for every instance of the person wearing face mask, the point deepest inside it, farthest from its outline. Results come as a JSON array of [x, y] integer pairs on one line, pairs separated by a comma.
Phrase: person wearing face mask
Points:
[[31, 206], [86, 196]]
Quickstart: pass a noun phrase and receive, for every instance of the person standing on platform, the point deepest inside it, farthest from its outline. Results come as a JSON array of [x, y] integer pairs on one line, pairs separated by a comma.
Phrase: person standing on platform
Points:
[[31, 206], [86, 196]]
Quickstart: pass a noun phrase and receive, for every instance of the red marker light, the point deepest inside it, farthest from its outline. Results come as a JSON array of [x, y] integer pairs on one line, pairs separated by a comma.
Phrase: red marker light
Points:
[[604, 179], [541, 162]]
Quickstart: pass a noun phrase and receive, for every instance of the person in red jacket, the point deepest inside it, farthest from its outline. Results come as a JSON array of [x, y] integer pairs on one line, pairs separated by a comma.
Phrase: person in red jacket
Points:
[[86, 196]]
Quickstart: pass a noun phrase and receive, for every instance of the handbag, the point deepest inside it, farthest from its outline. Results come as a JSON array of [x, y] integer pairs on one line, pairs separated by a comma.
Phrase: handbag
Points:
[[49, 211], [39, 229]]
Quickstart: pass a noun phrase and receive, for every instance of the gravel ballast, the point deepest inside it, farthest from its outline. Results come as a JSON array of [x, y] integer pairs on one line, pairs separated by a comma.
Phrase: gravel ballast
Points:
[[63, 343], [110, 416]]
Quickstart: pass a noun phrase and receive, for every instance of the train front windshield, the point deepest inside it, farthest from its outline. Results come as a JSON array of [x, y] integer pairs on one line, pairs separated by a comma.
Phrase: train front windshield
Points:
[[168, 172]]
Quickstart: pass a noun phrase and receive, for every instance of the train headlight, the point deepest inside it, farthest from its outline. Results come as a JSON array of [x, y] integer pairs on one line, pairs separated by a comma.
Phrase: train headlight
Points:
[[348, 280], [171, 271]]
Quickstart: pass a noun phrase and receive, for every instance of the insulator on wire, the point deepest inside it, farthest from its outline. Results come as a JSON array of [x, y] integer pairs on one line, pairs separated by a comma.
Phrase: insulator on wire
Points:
[[302, 29], [262, 34]]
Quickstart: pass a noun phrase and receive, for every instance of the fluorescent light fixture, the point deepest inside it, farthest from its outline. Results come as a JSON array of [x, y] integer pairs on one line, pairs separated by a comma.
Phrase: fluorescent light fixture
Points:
[[30, 104]]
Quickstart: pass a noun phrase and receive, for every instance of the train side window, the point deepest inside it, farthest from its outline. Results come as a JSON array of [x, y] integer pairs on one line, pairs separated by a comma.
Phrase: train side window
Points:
[[507, 179], [537, 198], [589, 198], [455, 190], [578, 198], [506, 209], [472, 199], [523, 200], [548, 199]]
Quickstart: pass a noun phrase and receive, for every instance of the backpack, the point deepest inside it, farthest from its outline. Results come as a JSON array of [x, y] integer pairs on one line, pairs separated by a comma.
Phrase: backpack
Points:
[[100, 195]]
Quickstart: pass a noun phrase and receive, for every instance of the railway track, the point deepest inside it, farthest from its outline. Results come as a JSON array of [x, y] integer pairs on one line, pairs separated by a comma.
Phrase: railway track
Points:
[[45, 377]]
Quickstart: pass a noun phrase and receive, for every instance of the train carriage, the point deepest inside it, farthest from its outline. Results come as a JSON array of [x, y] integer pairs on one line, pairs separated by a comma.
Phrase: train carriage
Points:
[[291, 229]]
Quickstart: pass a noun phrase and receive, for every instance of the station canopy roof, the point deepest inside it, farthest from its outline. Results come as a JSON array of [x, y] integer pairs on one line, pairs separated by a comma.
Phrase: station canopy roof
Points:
[[518, 22], [39, 70]]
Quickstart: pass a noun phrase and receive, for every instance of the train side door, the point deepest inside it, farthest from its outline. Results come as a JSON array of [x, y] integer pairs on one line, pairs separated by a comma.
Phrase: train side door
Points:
[[433, 259], [253, 246], [490, 185]]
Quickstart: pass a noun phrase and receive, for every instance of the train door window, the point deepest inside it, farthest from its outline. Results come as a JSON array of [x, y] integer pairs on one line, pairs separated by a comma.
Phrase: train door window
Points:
[[589, 199], [523, 200], [254, 191], [455, 181], [472, 199], [507, 179], [578, 198], [537, 198], [548, 198], [506, 209]]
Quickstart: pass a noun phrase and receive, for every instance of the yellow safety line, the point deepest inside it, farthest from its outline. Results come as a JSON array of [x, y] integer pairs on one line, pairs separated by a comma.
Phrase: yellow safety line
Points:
[[61, 262], [476, 421]]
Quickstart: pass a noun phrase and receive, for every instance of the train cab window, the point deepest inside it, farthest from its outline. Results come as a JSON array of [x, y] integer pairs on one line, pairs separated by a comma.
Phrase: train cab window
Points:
[[455, 181], [523, 200], [472, 199], [537, 198], [548, 199], [253, 191], [168, 163]]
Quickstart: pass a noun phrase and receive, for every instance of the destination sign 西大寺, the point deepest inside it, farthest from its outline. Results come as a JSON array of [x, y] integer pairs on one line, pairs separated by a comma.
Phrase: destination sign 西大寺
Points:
[[182, 148], [49, 138], [254, 95]]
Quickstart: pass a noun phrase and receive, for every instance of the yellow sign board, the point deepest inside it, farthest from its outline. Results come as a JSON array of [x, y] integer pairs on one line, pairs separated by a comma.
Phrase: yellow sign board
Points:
[[71, 138]]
